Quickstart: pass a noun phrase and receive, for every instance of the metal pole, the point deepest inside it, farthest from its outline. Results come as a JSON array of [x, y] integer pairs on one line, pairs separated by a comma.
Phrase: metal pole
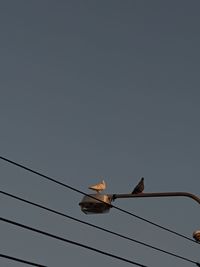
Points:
[[164, 194]]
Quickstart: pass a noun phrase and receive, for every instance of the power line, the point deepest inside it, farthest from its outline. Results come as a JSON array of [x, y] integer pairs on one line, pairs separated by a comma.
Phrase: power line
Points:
[[22, 261], [83, 193], [71, 242], [95, 226]]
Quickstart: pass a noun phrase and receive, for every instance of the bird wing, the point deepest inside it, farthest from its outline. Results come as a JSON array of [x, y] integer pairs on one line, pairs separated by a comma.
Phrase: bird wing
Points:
[[99, 186], [139, 187]]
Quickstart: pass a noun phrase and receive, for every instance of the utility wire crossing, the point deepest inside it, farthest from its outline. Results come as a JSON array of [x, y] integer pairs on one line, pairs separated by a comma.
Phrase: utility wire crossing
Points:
[[70, 241], [95, 226], [20, 260], [83, 193]]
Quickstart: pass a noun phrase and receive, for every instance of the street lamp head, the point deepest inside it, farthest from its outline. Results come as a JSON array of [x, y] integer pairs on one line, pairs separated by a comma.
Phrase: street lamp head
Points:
[[96, 203], [196, 235]]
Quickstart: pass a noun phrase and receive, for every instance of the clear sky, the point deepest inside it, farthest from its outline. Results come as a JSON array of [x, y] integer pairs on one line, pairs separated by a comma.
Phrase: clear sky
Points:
[[93, 89]]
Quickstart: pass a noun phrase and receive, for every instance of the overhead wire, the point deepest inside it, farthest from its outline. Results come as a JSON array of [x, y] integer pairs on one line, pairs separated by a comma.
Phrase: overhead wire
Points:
[[83, 193], [21, 260], [95, 226], [71, 242]]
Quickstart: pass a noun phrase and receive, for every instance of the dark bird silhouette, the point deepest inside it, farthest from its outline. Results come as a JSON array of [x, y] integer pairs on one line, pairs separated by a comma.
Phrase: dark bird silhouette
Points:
[[139, 187]]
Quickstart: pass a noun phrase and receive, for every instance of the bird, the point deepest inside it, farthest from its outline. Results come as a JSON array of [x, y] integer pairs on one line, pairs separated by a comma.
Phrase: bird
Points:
[[98, 187], [139, 187]]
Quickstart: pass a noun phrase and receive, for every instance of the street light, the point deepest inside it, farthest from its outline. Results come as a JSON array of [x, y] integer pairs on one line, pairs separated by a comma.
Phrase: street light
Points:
[[101, 203], [96, 203], [196, 235]]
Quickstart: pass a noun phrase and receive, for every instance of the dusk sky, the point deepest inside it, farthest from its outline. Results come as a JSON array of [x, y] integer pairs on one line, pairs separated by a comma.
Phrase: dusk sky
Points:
[[94, 90]]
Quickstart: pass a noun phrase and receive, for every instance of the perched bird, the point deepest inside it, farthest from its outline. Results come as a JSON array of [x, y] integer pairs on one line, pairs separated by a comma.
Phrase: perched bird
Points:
[[98, 187], [139, 187]]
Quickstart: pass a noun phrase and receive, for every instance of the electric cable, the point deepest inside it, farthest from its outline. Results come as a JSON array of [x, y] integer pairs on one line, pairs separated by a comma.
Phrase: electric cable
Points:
[[70, 241], [94, 226], [83, 193], [21, 260]]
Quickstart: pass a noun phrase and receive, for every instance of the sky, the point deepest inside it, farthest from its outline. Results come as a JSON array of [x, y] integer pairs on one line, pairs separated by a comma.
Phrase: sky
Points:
[[93, 90]]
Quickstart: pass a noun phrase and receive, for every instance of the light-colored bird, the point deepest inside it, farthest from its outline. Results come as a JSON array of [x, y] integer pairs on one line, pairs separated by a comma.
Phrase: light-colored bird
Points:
[[139, 187], [98, 187]]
